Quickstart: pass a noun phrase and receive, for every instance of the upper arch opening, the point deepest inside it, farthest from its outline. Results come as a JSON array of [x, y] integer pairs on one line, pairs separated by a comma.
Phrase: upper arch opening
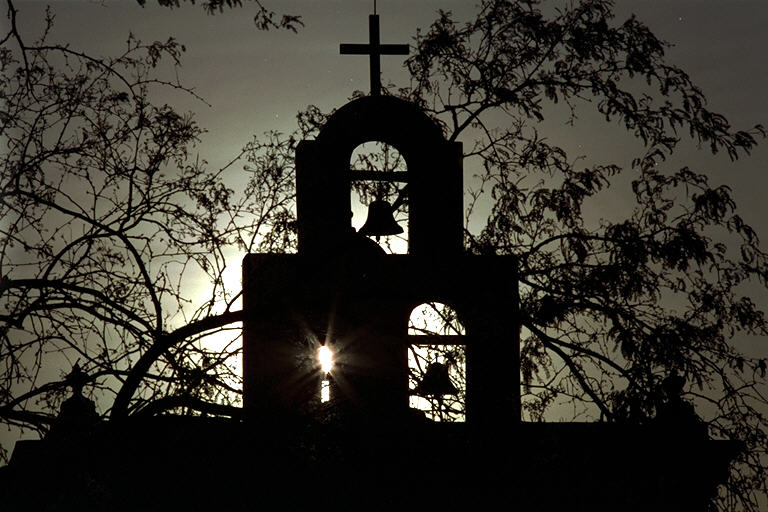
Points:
[[378, 172], [382, 118]]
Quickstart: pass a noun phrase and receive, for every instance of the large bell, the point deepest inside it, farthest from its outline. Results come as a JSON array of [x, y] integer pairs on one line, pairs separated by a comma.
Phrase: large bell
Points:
[[436, 382], [380, 221]]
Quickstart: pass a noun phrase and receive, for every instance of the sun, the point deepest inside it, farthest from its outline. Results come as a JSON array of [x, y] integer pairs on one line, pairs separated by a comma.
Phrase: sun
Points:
[[325, 357]]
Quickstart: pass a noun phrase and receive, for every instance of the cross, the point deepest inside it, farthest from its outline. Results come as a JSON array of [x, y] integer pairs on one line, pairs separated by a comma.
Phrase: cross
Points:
[[375, 49]]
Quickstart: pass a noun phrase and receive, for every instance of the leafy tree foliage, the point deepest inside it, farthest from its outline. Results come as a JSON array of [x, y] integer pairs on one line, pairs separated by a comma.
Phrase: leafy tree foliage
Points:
[[107, 216]]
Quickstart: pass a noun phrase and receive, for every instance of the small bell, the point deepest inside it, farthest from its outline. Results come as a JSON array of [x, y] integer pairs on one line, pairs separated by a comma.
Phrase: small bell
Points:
[[436, 382], [380, 221]]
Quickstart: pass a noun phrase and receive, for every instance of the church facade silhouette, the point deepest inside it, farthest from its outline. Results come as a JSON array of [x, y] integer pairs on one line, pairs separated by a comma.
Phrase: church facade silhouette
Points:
[[364, 447]]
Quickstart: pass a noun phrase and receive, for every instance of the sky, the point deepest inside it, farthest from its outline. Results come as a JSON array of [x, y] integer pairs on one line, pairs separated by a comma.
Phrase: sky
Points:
[[253, 81]]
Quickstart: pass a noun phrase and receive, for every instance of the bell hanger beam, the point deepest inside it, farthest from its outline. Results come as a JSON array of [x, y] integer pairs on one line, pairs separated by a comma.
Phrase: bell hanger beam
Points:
[[375, 50], [443, 340], [391, 176]]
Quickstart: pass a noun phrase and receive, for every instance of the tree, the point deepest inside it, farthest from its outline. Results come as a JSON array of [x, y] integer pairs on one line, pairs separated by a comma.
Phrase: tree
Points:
[[264, 18], [103, 196], [106, 215], [609, 308]]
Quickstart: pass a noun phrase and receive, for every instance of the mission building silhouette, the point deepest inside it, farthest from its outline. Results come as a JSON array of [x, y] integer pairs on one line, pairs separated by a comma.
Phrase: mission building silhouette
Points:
[[348, 438]]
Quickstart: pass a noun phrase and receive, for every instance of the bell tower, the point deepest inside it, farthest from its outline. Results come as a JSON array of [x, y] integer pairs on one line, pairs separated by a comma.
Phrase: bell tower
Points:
[[342, 291]]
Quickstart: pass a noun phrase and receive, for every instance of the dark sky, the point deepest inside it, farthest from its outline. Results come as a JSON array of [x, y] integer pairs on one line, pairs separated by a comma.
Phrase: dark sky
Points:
[[256, 81]]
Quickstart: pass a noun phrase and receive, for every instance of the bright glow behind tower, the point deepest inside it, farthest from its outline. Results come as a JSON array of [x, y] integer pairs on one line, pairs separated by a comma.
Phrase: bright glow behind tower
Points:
[[325, 357]]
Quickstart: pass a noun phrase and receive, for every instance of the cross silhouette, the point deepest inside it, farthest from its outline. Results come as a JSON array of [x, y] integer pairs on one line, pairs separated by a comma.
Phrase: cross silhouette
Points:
[[375, 49]]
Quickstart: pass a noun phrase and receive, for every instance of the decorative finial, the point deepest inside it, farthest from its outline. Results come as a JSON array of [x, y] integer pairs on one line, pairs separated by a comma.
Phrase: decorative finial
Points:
[[76, 379], [77, 416]]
